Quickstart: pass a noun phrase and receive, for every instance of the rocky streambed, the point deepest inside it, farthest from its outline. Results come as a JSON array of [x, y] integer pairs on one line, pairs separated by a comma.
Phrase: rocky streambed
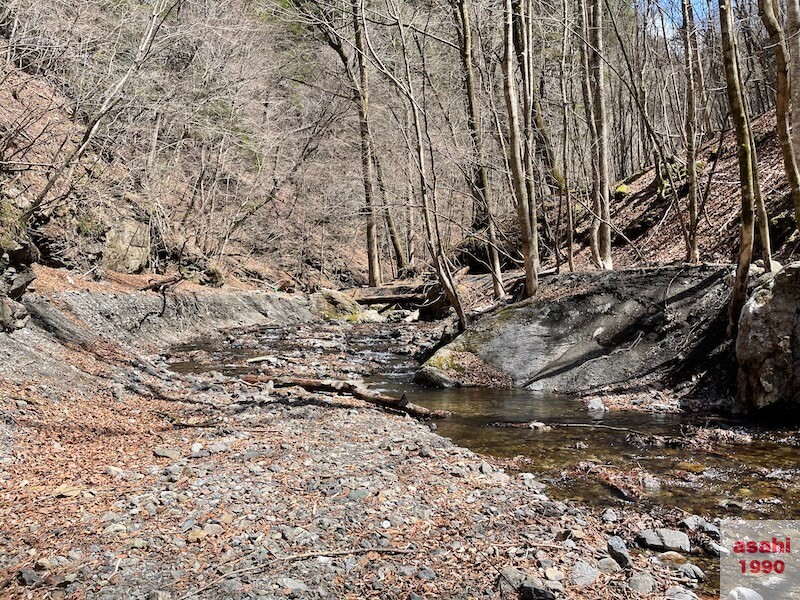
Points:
[[121, 477]]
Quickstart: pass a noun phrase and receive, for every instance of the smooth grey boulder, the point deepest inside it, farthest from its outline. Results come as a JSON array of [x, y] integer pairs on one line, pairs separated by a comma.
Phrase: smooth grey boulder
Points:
[[554, 342], [768, 342]]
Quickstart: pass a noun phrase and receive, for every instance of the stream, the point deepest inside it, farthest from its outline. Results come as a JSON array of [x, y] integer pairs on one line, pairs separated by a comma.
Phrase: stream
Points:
[[753, 480]]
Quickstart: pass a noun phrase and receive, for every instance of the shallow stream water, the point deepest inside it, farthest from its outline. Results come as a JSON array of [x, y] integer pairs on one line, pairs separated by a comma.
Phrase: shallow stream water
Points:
[[755, 480]]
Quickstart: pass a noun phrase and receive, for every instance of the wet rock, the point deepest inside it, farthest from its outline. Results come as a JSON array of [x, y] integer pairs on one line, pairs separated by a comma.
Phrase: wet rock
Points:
[[619, 552], [583, 574], [642, 582], [596, 405], [664, 539], [697, 523], [434, 377]]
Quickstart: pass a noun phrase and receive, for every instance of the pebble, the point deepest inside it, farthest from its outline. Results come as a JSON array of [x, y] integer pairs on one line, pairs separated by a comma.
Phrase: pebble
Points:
[[195, 535], [619, 552], [583, 574], [553, 574], [608, 565], [664, 539], [642, 582], [679, 593], [426, 574], [609, 516], [170, 453]]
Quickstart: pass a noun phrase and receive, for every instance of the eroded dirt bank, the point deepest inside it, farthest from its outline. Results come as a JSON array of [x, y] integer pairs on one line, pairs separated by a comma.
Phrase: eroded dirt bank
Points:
[[121, 478]]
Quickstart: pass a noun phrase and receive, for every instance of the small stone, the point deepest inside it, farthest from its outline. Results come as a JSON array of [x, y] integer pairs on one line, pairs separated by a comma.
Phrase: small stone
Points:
[[115, 529], [679, 593], [642, 582], [195, 535], [486, 468], [114, 471], [217, 448], [170, 453], [358, 494], [292, 585], [596, 405], [743, 593], [583, 574], [29, 577], [619, 552], [196, 447], [553, 574], [609, 516], [159, 595], [608, 565], [664, 539], [426, 574], [539, 426], [213, 529]]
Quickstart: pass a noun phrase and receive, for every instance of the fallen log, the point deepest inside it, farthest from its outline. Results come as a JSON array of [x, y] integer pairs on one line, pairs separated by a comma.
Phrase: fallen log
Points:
[[392, 299], [354, 389]]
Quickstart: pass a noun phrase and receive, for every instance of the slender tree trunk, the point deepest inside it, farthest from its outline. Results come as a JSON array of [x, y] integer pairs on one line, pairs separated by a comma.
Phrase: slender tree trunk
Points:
[[515, 154], [373, 267], [391, 229], [588, 103], [793, 43], [565, 135], [603, 200], [783, 106], [690, 129], [739, 117], [481, 192]]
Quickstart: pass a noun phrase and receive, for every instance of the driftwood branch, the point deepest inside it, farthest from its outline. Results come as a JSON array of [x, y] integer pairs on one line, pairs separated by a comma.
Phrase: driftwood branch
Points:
[[354, 389]]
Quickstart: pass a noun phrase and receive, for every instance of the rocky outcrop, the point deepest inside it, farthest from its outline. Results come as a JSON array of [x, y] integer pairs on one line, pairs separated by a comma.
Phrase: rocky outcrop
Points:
[[587, 331], [768, 343]]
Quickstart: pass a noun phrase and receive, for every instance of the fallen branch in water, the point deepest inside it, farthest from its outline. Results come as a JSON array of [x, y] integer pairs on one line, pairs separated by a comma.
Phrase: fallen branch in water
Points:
[[351, 388]]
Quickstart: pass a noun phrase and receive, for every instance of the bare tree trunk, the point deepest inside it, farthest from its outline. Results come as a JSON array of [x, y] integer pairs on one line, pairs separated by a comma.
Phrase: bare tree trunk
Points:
[[588, 103], [602, 198], [515, 155], [793, 43], [565, 136], [373, 267], [739, 117], [783, 106], [690, 129], [400, 257], [481, 192]]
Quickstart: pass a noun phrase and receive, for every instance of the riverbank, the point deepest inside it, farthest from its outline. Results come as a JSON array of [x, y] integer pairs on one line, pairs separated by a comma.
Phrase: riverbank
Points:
[[123, 478]]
